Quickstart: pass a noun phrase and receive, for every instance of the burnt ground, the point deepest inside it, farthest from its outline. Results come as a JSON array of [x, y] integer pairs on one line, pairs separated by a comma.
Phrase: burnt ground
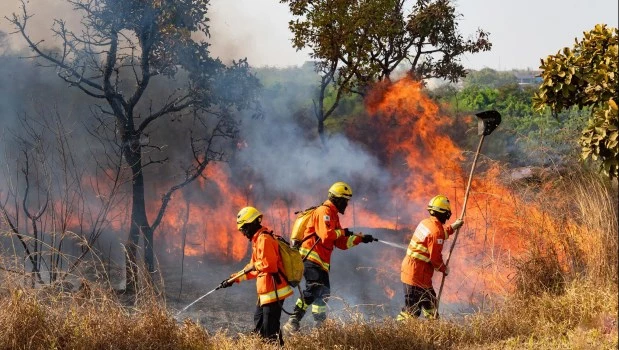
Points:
[[359, 278]]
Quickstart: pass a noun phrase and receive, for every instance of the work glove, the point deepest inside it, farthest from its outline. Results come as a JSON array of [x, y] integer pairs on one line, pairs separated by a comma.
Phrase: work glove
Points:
[[348, 232], [457, 224], [249, 269], [367, 238], [226, 283]]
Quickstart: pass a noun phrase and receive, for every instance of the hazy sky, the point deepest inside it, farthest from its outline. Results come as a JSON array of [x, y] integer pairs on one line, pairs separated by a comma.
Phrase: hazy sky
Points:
[[521, 31]]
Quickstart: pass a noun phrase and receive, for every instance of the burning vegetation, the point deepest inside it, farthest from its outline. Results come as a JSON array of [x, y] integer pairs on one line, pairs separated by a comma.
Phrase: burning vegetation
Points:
[[113, 223], [496, 259]]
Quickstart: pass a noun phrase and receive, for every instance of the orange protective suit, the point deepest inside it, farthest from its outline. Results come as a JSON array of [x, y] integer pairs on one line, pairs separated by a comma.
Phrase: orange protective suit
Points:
[[267, 264], [325, 224], [424, 254]]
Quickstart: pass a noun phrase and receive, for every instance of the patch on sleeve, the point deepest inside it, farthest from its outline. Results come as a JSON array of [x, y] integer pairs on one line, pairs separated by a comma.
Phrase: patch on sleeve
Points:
[[327, 218], [439, 241], [421, 232]]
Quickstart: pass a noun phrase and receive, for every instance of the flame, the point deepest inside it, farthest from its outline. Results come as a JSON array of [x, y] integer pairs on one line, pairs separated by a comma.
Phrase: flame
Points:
[[414, 142], [207, 218], [389, 292], [417, 146]]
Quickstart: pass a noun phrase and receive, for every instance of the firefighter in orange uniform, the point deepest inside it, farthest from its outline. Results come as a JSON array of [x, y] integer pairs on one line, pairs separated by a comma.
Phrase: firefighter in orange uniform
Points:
[[267, 268], [424, 255], [322, 234]]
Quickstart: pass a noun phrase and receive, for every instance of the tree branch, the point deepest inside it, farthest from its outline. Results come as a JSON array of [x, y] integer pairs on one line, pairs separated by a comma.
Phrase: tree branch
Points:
[[21, 27], [176, 105]]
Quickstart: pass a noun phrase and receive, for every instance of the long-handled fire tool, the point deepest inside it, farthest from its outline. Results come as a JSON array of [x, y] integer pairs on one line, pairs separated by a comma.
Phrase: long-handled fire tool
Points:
[[221, 285], [488, 121]]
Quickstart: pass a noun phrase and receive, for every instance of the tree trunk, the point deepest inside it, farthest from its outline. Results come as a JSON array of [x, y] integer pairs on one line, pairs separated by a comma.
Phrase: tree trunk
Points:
[[139, 220], [321, 130]]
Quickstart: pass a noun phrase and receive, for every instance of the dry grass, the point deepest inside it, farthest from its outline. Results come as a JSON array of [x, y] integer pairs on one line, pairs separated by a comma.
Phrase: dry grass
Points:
[[543, 320], [90, 319], [572, 232], [566, 299], [583, 317], [595, 205]]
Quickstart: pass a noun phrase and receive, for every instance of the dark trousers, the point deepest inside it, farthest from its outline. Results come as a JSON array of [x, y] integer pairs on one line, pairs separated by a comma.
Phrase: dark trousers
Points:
[[317, 291], [418, 300], [266, 319]]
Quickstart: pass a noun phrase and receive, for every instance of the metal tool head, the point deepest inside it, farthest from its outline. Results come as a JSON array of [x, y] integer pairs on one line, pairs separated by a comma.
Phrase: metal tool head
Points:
[[488, 121]]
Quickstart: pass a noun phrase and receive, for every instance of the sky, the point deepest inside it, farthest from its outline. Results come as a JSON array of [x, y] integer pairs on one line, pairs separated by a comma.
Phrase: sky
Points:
[[522, 32]]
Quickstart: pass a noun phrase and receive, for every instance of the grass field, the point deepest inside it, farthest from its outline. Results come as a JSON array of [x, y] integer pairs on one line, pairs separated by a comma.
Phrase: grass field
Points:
[[565, 297]]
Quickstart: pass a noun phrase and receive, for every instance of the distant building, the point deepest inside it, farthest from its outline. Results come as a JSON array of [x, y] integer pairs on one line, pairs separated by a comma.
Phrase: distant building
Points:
[[528, 77]]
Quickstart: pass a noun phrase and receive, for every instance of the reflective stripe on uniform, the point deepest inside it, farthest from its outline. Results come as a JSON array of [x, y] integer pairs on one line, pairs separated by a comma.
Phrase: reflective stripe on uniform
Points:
[[314, 257], [339, 232], [417, 246], [301, 304], [319, 309], [403, 315], [417, 256], [270, 297], [428, 313], [350, 242]]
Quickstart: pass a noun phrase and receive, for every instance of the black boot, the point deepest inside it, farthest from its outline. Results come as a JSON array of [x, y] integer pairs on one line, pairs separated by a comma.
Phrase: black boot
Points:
[[293, 323]]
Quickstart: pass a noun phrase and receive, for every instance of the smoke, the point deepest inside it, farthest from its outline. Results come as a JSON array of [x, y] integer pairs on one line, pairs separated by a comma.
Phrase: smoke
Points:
[[280, 151], [294, 165], [44, 12], [280, 156], [237, 29], [30, 93]]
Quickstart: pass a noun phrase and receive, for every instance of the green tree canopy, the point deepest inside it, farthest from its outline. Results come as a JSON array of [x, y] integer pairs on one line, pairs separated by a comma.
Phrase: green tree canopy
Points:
[[489, 77], [586, 76], [357, 43]]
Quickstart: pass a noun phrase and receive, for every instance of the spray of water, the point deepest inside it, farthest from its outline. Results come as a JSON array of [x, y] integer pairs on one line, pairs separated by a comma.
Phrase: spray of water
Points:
[[195, 301], [391, 244]]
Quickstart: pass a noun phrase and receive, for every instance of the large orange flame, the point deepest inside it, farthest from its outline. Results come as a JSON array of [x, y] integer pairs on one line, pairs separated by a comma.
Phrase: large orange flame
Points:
[[210, 225], [415, 143], [418, 144]]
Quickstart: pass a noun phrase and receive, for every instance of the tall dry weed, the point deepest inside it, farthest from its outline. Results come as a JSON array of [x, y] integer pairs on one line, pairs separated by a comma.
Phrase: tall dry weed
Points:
[[567, 298], [537, 322], [572, 231], [91, 318], [97, 320], [596, 228]]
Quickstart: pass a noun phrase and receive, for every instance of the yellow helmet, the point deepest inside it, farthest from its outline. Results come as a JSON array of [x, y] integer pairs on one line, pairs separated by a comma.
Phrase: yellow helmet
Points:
[[340, 190], [247, 215], [439, 204]]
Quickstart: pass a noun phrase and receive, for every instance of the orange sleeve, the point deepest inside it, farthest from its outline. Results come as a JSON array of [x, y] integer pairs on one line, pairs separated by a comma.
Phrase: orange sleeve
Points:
[[448, 230], [344, 242], [248, 276], [325, 224], [266, 254], [435, 248]]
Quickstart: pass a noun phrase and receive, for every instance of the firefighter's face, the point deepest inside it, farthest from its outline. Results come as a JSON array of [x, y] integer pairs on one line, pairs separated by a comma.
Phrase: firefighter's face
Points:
[[443, 217], [248, 230], [340, 203]]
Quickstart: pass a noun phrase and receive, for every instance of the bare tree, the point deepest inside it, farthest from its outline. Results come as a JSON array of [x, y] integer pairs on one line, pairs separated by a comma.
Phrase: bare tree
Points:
[[60, 211], [122, 49]]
